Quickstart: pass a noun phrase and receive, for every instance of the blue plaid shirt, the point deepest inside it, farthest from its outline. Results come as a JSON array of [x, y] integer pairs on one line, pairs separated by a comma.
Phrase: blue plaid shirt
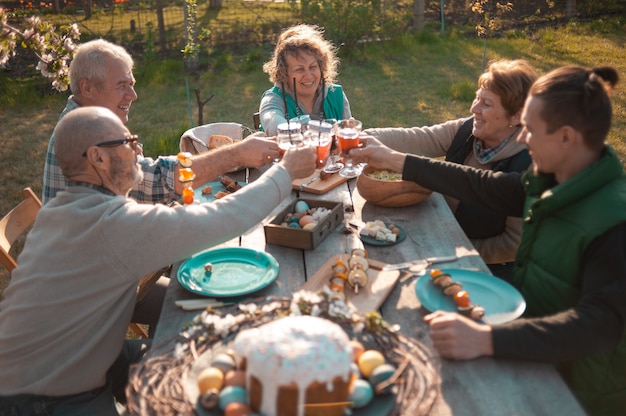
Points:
[[158, 175]]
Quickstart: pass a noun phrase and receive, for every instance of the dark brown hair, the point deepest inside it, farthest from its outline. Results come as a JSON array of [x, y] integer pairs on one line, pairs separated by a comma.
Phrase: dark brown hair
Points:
[[578, 97]]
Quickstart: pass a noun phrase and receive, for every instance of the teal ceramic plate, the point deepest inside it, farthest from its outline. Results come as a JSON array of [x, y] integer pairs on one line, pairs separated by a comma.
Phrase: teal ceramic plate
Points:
[[235, 271], [374, 242], [215, 188], [502, 302]]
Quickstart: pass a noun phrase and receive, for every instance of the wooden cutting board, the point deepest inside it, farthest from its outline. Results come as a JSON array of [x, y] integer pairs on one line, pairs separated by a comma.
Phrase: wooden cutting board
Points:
[[369, 298], [319, 186]]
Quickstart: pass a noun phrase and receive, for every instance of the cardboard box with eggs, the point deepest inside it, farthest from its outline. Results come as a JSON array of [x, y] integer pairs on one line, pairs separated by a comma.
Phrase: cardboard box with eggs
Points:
[[307, 239]]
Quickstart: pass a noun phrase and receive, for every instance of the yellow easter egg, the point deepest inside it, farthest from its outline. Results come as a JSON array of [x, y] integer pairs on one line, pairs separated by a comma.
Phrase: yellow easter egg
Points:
[[210, 378], [310, 226], [369, 360]]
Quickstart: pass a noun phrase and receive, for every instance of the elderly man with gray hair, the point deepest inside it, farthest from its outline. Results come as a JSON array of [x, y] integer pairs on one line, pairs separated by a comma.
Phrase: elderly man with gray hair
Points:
[[64, 316]]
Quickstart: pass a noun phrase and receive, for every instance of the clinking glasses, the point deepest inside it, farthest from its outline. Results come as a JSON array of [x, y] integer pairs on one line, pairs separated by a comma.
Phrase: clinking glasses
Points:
[[133, 141]]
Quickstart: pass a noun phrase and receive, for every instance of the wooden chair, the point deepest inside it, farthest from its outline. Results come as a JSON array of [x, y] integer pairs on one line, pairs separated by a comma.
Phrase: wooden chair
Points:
[[256, 120], [15, 223], [22, 217], [145, 283]]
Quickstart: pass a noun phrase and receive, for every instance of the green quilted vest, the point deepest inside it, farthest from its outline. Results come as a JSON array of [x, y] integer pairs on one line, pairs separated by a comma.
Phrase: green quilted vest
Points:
[[560, 220], [333, 103]]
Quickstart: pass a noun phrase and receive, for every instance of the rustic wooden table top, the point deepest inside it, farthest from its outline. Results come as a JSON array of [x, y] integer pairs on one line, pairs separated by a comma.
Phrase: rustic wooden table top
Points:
[[483, 386]]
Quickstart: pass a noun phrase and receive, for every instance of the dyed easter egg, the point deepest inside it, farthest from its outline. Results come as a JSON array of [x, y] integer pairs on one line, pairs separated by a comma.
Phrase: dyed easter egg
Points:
[[380, 374], [361, 394], [210, 378], [224, 362], [232, 394], [209, 399], [369, 360], [235, 378], [310, 226], [301, 207], [357, 350], [294, 225], [237, 409], [306, 219]]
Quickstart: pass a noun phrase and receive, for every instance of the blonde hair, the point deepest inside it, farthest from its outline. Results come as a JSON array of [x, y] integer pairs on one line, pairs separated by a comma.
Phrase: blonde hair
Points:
[[296, 40]]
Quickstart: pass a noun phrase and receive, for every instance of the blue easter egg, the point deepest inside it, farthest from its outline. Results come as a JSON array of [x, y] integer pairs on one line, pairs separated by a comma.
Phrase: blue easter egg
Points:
[[361, 394], [224, 362], [294, 225], [380, 374], [232, 394], [301, 207]]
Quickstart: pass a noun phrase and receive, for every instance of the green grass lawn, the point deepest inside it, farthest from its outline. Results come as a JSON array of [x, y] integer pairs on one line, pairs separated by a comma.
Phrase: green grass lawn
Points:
[[416, 80]]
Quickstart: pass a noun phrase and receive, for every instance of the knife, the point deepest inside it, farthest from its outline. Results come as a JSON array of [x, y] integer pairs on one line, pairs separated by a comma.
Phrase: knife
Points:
[[310, 181], [197, 304], [419, 265]]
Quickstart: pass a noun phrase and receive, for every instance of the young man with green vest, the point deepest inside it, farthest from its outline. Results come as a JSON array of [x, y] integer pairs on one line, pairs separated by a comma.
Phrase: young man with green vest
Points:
[[571, 263]]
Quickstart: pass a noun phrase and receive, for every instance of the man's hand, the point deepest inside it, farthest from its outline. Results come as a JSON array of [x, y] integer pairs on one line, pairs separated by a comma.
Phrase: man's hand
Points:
[[256, 150], [458, 337], [299, 161]]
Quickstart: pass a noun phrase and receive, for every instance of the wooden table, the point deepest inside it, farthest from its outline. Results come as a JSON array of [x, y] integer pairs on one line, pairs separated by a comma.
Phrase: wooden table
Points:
[[478, 387]]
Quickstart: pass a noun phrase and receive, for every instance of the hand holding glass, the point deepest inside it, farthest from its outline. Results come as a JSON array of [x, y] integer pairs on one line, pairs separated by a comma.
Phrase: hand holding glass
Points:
[[289, 134], [348, 138], [334, 164]]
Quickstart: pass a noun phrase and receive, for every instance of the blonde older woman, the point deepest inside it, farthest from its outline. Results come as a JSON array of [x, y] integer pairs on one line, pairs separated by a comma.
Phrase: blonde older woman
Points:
[[487, 140], [303, 69]]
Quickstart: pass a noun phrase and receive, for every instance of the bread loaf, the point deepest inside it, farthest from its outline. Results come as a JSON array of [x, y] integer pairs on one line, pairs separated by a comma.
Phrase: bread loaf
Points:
[[219, 140]]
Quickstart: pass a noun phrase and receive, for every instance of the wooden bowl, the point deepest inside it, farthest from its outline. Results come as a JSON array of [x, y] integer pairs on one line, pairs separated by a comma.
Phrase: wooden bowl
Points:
[[389, 193]]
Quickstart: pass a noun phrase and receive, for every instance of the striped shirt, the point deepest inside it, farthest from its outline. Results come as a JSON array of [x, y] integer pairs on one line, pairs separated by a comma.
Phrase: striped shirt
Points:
[[158, 175]]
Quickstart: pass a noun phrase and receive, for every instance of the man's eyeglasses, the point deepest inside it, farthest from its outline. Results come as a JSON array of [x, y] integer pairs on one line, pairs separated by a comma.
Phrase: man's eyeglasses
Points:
[[133, 141]]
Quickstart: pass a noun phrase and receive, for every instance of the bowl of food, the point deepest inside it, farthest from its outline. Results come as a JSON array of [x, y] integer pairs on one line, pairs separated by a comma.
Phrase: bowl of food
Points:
[[387, 189]]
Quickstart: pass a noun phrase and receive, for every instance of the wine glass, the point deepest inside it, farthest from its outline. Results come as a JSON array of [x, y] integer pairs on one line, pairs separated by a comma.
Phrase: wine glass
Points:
[[348, 138], [334, 164], [289, 134]]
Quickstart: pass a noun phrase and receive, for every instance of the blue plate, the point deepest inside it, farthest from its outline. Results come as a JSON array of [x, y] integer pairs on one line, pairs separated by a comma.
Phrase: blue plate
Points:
[[502, 302], [215, 188], [235, 271], [374, 242]]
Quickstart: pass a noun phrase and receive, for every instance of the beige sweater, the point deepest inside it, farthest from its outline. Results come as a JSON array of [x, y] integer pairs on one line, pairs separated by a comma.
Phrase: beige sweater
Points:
[[434, 141], [64, 316]]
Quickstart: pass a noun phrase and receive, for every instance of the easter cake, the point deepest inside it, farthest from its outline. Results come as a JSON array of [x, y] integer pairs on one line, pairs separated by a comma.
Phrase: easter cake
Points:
[[259, 356], [294, 363]]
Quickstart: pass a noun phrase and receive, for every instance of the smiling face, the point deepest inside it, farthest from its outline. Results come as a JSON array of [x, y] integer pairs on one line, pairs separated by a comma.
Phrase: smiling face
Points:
[[306, 71], [492, 124], [545, 148], [116, 92]]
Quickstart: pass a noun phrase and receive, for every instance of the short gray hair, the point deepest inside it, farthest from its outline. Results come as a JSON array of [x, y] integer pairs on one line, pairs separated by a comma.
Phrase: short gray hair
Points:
[[90, 61]]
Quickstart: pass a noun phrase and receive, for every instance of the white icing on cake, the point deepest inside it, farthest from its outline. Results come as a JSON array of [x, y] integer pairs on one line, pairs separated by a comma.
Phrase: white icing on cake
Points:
[[294, 349]]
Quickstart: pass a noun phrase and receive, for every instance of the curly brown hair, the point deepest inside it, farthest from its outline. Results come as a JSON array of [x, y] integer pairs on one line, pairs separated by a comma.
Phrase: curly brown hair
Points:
[[298, 39], [510, 80]]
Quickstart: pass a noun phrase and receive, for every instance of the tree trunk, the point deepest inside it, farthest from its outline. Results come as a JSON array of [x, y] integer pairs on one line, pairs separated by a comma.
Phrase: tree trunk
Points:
[[87, 7], [570, 9], [418, 15], [161, 25]]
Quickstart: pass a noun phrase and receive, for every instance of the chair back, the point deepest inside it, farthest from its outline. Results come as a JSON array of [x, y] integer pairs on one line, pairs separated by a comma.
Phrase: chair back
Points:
[[196, 140], [15, 223]]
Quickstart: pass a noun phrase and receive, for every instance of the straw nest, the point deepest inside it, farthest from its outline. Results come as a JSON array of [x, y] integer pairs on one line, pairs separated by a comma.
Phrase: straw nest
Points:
[[156, 386]]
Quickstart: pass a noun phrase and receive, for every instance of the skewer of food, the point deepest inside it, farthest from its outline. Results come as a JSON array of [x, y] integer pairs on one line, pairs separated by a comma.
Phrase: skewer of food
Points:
[[461, 297]]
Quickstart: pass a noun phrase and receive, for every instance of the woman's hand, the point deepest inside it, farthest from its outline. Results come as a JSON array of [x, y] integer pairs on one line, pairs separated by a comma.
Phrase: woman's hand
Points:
[[377, 155]]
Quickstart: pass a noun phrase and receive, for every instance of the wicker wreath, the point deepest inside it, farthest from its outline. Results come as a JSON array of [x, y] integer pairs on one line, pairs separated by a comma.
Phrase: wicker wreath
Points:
[[156, 385]]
